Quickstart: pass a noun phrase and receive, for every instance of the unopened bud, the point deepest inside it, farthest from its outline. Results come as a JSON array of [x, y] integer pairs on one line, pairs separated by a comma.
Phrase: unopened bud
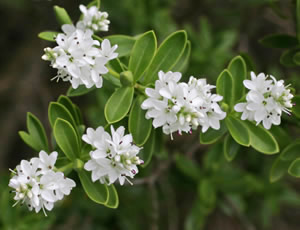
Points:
[[126, 78]]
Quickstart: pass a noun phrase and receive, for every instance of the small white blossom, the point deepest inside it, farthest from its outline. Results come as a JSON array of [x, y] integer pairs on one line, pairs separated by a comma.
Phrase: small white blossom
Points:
[[79, 58], [114, 156], [180, 107], [266, 100], [36, 184], [93, 19]]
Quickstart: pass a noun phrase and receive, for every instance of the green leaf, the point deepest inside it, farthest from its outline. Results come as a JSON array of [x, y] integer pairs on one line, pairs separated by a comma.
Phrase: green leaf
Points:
[[113, 198], [296, 58], [68, 104], [291, 152], [57, 110], [261, 139], [230, 148], [279, 168], [62, 16], [36, 137], [142, 54], [294, 169], [167, 55], [283, 41], [238, 70], [138, 125], [187, 166], [224, 87], [66, 138], [207, 192], [48, 35], [125, 44], [238, 130], [287, 57], [96, 3], [298, 19], [211, 135], [118, 105], [182, 63], [296, 108], [148, 149], [81, 90], [97, 192], [116, 66]]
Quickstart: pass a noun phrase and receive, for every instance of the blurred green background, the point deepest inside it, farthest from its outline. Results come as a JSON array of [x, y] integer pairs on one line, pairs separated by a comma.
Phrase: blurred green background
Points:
[[186, 186]]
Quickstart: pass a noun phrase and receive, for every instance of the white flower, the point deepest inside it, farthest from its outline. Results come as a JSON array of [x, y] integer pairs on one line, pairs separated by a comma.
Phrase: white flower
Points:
[[266, 100], [93, 19], [79, 58], [181, 107], [36, 184], [114, 156]]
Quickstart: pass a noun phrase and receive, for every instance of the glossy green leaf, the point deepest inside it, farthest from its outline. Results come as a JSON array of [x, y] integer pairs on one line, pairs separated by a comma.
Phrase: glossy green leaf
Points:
[[287, 57], [148, 149], [116, 66], [96, 3], [230, 148], [57, 110], [36, 137], [182, 63], [118, 105], [283, 41], [238, 130], [138, 125], [224, 87], [212, 135], [66, 138], [97, 192], [48, 35], [237, 68], [296, 107], [65, 101], [167, 55], [261, 139], [187, 166], [207, 192], [125, 44], [294, 169], [113, 198], [81, 90], [291, 152], [62, 16], [142, 54], [279, 168]]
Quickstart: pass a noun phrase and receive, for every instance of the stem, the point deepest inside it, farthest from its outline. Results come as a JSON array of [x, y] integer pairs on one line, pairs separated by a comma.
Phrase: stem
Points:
[[65, 168], [140, 88], [114, 73]]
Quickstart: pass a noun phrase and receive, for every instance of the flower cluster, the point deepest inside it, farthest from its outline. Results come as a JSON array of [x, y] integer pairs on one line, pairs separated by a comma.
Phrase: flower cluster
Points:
[[78, 57], [266, 100], [93, 19], [36, 184], [182, 106], [114, 156]]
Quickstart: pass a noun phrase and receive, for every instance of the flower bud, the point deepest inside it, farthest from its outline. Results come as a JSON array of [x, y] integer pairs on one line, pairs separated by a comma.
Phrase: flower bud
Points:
[[126, 78]]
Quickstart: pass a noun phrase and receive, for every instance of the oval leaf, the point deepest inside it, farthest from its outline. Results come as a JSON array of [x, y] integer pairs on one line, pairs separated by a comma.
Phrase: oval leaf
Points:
[[187, 166], [118, 105], [81, 90], [124, 42], [262, 140], [230, 148], [296, 108], [212, 135], [224, 86], [148, 149], [139, 126], [182, 63], [294, 169], [95, 191], [67, 103], [279, 168], [238, 70], [66, 138], [48, 35], [167, 55], [56, 111], [238, 130], [142, 54], [113, 198], [291, 152], [287, 57], [283, 41], [62, 16]]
